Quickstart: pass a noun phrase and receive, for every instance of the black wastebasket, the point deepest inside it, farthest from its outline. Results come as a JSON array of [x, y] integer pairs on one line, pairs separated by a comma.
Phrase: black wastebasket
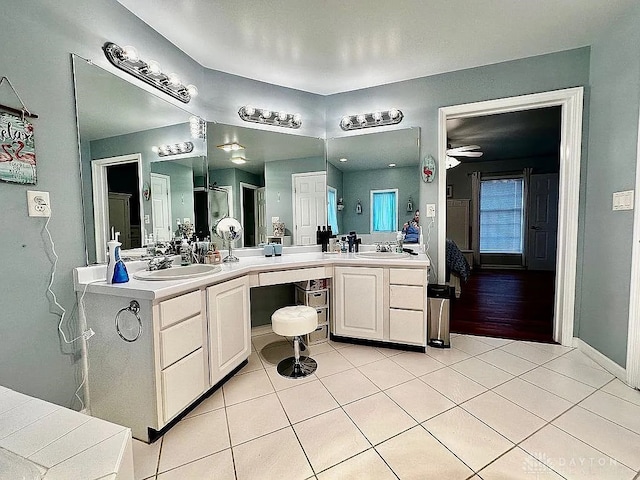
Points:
[[439, 298]]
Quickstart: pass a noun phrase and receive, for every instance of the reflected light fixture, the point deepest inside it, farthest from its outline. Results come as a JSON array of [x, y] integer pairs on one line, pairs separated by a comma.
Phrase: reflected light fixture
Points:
[[374, 119], [343, 160], [452, 162], [231, 147], [392, 165], [238, 160], [198, 127], [127, 59], [173, 149], [268, 117]]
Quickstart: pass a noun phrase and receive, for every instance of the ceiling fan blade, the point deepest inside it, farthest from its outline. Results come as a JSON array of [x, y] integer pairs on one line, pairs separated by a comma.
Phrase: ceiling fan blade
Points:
[[465, 154], [464, 148]]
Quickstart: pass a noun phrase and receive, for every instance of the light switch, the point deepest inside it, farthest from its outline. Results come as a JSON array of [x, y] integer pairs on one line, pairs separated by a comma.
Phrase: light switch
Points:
[[623, 200]]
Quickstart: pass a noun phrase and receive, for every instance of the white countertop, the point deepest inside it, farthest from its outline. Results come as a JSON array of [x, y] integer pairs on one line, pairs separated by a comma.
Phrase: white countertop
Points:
[[55, 443], [251, 261]]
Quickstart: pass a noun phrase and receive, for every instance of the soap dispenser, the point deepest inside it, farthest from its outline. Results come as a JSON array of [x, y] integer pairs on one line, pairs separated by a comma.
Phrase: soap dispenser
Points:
[[116, 269]]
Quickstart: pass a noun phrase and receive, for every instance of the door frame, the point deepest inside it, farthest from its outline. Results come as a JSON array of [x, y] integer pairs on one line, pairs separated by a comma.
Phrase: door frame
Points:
[[294, 194], [101, 199], [169, 212], [571, 101], [633, 335], [250, 186]]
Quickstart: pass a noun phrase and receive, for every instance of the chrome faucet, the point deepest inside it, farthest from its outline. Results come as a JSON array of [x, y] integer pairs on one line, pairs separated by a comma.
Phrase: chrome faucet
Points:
[[383, 247], [160, 263]]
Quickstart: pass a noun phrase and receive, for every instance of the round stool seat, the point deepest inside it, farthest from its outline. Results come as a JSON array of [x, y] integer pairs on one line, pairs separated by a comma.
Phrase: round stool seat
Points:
[[293, 321]]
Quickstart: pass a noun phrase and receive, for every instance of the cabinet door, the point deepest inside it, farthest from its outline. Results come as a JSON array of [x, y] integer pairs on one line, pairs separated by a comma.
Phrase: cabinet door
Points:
[[359, 302], [229, 326], [182, 383]]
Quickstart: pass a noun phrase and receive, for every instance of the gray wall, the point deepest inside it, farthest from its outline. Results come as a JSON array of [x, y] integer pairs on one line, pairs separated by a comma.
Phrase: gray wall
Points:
[[277, 179], [335, 180], [358, 185], [603, 309]]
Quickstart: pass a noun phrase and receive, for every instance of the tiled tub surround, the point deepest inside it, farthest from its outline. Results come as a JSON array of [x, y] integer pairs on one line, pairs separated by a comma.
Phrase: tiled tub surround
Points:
[[62, 444], [197, 332], [485, 409]]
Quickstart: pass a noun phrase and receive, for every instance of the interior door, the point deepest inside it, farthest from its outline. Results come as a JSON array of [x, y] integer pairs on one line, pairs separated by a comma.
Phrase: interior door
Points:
[[119, 217], [543, 221], [310, 206], [161, 207]]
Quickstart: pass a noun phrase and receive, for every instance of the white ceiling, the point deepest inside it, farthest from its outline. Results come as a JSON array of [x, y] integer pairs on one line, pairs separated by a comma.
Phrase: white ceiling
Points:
[[332, 46]]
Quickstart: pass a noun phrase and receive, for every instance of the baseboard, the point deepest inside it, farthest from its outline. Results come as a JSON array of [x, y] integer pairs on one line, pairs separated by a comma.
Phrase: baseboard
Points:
[[605, 362]]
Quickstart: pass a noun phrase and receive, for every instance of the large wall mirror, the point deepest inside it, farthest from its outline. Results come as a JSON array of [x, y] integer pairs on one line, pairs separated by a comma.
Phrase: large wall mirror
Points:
[[267, 176], [126, 184], [373, 182]]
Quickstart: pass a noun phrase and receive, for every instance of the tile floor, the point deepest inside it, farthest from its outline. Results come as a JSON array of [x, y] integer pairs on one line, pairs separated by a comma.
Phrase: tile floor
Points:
[[485, 409]]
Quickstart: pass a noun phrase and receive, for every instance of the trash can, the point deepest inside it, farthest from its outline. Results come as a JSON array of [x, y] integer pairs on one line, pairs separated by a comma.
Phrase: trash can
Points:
[[438, 300]]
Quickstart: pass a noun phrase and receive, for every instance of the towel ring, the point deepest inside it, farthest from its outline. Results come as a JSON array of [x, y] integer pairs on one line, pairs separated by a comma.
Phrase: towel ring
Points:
[[134, 309]]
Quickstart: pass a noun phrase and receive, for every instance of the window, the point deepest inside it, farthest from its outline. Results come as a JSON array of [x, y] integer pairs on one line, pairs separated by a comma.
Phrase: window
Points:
[[501, 216], [332, 209], [384, 210]]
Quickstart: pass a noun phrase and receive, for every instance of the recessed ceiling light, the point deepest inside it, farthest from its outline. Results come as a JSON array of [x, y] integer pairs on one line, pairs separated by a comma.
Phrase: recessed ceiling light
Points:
[[343, 160], [231, 147], [238, 160], [392, 165]]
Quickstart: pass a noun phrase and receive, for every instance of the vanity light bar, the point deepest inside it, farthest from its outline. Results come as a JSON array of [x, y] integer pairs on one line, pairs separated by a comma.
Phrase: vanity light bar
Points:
[[126, 59], [267, 117], [375, 119], [198, 127], [175, 149]]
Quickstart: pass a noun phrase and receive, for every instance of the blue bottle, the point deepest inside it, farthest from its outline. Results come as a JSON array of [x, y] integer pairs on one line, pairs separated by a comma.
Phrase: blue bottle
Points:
[[116, 269]]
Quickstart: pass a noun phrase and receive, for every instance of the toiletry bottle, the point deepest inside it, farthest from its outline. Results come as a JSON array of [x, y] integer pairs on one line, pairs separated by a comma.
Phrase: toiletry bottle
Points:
[[116, 269], [185, 253]]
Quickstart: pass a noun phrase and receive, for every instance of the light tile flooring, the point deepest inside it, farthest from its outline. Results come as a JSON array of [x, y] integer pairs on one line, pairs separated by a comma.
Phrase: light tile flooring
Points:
[[485, 409]]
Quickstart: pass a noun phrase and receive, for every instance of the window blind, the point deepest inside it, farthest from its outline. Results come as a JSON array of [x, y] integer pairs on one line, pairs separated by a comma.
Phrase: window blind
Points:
[[501, 216]]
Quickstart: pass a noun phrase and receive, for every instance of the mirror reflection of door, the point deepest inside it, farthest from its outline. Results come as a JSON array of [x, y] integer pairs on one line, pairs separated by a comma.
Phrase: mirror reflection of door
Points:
[[124, 203], [310, 205], [161, 207], [250, 214], [119, 208]]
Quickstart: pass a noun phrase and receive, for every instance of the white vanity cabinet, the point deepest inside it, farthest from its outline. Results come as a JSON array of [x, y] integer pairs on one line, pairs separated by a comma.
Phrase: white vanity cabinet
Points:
[[181, 364], [385, 304], [358, 302], [229, 326]]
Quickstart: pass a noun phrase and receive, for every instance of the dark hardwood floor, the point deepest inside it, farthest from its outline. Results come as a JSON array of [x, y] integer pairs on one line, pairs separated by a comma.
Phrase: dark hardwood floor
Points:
[[515, 304]]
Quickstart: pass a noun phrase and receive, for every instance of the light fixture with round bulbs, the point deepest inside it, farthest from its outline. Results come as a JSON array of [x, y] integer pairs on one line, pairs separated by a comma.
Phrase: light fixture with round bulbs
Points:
[[375, 119], [277, 118]]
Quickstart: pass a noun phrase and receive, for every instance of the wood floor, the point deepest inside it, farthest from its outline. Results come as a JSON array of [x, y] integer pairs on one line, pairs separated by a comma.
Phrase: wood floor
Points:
[[515, 304]]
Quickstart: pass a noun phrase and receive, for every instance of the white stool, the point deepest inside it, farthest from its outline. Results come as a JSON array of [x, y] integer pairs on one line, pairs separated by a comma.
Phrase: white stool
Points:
[[295, 322]]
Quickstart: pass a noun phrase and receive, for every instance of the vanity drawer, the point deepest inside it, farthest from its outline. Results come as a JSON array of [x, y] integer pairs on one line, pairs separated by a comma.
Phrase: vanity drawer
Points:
[[408, 276], [180, 340], [407, 326], [405, 296], [179, 308], [291, 276], [182, 383]]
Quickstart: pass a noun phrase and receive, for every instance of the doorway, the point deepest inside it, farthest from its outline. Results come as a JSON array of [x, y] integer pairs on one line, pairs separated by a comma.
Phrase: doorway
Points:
[[309, 205], [570, 101], [249, 214]]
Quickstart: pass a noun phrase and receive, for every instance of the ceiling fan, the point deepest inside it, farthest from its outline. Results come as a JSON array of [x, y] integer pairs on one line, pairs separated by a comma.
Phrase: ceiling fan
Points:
[[464, 151]]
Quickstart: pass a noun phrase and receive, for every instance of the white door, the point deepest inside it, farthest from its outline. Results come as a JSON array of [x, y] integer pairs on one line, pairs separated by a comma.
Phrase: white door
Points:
[[161, 207], [261, 215], [358, 296], [310, 206], [543, 221]]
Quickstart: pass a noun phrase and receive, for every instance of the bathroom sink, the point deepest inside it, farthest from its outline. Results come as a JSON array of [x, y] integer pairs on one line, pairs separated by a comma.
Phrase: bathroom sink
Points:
[[178, 272], [382, 255]]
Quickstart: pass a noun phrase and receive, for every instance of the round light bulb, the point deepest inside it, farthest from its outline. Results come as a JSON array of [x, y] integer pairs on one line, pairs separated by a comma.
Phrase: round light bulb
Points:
[[283, 116], [345, 122], [183, 147], [377, 116], [249, 110], [394, 113], [192, 90], [130, 53], [297, 118], [266, 114], [174, 79], [154, 149], [361, 119], [154, 67]]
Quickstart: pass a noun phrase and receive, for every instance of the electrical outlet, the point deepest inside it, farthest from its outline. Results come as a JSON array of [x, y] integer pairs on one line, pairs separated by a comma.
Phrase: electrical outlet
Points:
[[431, 210], [38, 204]]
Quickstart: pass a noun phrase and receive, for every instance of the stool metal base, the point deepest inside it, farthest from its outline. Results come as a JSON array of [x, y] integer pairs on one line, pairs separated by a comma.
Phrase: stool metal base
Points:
[[291, 369]]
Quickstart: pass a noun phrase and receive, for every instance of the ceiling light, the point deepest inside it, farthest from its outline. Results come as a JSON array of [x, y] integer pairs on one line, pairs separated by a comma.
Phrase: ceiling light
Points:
[[264, 116], [127, 59], [239, 160], [231, 147], [392, 165], [173, 149], [375, 119], [343, 160]]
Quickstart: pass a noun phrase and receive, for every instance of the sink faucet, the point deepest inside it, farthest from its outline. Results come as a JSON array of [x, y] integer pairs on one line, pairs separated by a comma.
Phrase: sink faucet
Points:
[[160, 263], [383, 247]]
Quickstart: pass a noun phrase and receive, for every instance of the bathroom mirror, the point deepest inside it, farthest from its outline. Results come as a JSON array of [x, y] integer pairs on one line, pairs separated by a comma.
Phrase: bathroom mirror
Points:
[[255, 183], [358, 170], [125, 183]]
